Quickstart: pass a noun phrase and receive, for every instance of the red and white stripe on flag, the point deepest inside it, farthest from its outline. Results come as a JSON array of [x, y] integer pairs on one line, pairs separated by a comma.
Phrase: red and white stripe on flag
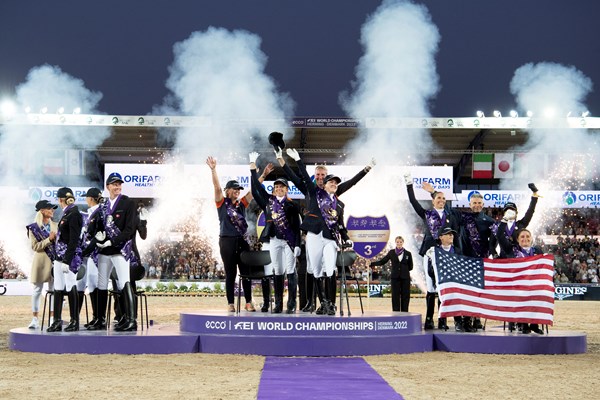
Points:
[[515, 290]]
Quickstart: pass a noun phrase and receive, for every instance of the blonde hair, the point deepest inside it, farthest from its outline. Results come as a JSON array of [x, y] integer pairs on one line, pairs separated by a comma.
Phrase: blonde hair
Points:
[[69, 199], [39, 218]]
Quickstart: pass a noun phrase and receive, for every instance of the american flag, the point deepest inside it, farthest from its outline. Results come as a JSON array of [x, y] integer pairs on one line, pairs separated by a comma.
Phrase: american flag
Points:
[[513, 290]]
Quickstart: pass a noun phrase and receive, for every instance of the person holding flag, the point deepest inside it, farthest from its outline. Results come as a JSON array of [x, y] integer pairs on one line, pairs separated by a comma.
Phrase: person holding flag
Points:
[[522, 248]]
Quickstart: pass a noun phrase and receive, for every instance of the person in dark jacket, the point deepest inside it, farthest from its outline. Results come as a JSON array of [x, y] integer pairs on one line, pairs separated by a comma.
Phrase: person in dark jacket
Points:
[[326, 233], [402, 264], [282, 232], [67, 262], [115, 230], [301, 184]]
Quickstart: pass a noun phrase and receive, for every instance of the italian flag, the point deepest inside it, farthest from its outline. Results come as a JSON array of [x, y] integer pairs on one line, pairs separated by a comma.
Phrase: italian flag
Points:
[[482, 166]]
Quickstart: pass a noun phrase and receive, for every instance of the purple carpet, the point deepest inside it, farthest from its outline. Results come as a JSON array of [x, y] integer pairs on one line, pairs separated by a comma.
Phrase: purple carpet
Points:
[[322, 378]]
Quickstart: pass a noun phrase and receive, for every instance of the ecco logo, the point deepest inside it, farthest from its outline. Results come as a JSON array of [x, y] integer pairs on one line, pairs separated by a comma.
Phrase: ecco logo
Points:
[[216, 324]]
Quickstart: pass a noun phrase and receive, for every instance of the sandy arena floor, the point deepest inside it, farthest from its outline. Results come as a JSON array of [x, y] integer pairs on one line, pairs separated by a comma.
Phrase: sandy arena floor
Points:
[[433, 375]]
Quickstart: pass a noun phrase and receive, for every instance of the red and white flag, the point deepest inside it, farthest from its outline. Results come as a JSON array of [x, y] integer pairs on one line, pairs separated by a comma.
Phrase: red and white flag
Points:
[[512, 290], [503, 165]]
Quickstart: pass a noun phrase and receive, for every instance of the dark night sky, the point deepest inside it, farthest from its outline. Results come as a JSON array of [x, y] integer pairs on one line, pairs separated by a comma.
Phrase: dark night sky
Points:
[[123, 48]]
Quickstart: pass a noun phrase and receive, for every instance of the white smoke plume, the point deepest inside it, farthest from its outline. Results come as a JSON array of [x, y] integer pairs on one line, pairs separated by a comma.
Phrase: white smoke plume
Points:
[[555, 157], [220, 75], [24, 149], [395, 78]]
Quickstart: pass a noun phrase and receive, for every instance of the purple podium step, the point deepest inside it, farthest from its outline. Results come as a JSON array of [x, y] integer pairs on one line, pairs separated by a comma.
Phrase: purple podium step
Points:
[[299, 334], [495, 340], [156, 340]]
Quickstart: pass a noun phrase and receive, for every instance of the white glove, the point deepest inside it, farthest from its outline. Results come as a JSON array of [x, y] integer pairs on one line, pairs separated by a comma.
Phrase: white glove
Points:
[[253, 157], [143, 214], [108, 243], [65, 268], [293, 153], [510, 215], [371, 163], [100, 236], [408, 178], [278, 153], [297, 251]]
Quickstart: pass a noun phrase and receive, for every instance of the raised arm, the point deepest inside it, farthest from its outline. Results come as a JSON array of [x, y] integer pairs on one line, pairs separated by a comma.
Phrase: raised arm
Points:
[[258, 190], [411, 196], [344, 186], [212, 164], [296, 180], [524, 222], [305, 178]]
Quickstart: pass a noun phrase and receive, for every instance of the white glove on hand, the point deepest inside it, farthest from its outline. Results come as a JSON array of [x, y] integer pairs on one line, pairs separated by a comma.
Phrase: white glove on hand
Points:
[[65, 268], [100, 236], [143, 214], [278, 153], [408, 178], [293, 153], [371, 163], [297, 251], [108, 243], [253, 157], [510, 215]]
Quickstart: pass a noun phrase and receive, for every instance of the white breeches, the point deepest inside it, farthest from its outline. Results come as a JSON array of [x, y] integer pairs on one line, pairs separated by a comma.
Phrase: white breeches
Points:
[[321, 255], [105, 266]]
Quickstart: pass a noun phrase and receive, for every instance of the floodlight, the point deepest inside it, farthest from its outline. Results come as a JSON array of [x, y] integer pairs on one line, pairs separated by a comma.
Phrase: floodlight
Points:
[[497, 114]]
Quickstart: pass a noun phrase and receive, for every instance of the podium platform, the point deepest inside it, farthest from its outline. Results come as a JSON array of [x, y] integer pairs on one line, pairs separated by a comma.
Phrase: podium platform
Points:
[[299, 334]]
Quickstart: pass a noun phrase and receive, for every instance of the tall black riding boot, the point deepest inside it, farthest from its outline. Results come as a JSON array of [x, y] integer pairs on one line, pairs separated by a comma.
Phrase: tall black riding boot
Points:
[[324, 303], [309, 293], [94, 302], [458, 324], [430, 303], [58, 305], [73, 297], [477, 323], [292, 288], [331, 288], [130, 323], [278, 282], [265, 284], [468, 324], [101, 302], [332, 294], [443, 324]]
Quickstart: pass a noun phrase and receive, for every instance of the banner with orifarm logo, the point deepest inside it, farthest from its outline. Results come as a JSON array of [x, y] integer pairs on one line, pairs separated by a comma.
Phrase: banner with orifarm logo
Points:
[[139, 180], [38, 193], [552, 199], [143, 180]]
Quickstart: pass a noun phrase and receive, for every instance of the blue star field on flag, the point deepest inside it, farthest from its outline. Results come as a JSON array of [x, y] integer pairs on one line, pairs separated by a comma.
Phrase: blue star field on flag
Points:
[[460, 269]]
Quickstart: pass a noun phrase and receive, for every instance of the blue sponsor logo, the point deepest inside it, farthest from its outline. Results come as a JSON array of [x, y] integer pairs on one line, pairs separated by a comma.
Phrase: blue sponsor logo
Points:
[[35, 194], [569, 198], [471, 194]]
